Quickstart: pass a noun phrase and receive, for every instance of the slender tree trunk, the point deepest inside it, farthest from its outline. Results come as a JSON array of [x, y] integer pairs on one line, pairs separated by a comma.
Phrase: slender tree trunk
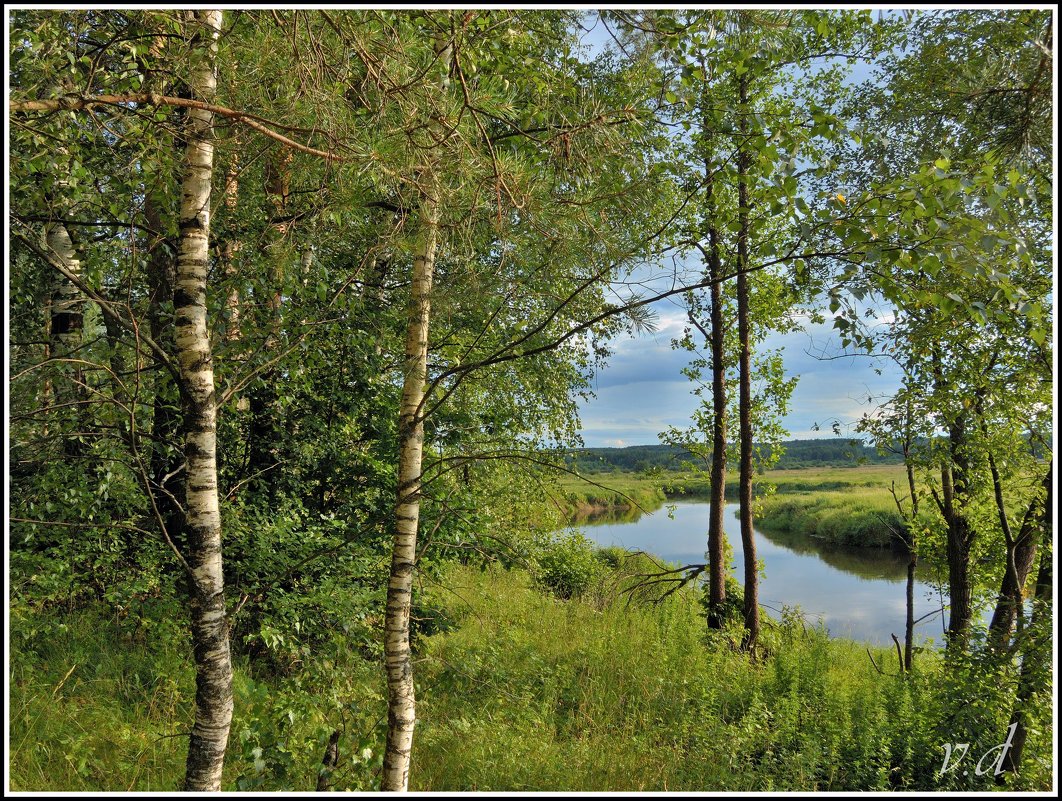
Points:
[[232, 246], [748, 541], [717, 501], [66, 311], [168, 484], [912, 562], [167, 480], [717, 568], [955, 482], [328, 762], [264, 435], [1035, 675], [210, 634], [401, 711], [47, 388]]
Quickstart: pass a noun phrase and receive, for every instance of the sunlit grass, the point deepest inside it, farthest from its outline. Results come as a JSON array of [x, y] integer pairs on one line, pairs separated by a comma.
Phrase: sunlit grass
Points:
[[532, 693], [91, 711], [516, 690], [849, 505]]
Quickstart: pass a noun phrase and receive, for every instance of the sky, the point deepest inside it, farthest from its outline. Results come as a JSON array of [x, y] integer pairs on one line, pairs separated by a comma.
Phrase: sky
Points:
[[641, 391]]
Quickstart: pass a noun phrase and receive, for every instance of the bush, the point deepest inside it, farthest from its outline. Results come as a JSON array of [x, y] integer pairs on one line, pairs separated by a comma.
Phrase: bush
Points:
[[612, 556], [565, 564]]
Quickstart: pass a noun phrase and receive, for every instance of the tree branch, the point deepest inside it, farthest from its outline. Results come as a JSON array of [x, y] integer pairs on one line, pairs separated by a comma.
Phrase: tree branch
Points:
[[82, 102]]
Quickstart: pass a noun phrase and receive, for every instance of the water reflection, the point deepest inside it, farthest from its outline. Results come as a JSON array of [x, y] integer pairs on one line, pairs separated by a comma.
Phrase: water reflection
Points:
[[855, 592], [596, 516], [888, 564]]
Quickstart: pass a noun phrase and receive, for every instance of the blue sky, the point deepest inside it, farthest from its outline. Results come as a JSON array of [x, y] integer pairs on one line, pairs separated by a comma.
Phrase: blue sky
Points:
[[642, 390]]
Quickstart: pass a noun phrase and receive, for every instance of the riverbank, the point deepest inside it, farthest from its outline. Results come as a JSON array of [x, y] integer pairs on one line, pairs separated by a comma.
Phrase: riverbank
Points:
[[599, 692], [842, 505]]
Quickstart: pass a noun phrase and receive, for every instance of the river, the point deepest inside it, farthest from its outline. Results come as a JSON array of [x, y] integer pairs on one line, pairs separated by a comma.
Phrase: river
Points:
[[855, 592]]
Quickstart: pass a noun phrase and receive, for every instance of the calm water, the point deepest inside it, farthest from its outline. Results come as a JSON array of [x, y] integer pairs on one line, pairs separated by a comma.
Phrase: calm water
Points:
[[855, 592]]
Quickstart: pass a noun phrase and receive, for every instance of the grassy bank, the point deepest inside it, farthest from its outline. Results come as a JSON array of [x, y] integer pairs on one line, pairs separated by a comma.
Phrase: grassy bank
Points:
[[517, 690], [619, 494], [845, 505], [857, 516]]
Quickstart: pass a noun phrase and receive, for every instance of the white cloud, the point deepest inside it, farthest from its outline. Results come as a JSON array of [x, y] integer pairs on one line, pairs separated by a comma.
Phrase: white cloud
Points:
[[642, 390]]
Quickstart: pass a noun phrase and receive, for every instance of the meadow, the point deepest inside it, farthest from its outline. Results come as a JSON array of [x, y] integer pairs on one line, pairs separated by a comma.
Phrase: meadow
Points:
[[602, 690]]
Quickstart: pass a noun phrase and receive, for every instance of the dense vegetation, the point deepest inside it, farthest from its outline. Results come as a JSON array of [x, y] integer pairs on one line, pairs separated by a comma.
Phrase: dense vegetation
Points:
[[302, 304], [538, 693]]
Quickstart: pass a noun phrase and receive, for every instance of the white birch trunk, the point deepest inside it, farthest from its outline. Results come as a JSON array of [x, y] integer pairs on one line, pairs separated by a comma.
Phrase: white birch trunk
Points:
[[66, 318], [210, 635], [65, 323], [401, 709], [232, 247], [66, 304]]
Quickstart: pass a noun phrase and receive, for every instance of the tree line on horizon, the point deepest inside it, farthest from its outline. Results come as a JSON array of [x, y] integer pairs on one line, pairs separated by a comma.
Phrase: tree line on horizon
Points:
[[794, 453]]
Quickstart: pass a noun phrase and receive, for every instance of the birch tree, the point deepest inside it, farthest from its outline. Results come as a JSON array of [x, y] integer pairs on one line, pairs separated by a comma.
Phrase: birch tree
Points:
[[210, 635]]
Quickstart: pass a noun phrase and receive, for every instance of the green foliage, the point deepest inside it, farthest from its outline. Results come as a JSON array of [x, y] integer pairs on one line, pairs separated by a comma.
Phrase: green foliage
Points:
[[558, 176], [565, 564]]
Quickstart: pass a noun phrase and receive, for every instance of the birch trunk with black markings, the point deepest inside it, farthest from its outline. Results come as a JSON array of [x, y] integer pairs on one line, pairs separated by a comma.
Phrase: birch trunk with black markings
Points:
[[401, 709], [65, 323], [210, 634]]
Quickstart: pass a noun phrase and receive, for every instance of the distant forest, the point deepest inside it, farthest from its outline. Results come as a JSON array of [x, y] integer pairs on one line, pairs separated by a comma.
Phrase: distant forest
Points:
[[797, 453]]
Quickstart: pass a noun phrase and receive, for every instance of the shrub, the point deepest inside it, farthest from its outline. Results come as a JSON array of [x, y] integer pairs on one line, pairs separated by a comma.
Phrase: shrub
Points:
[[565, 564], [612, 556]]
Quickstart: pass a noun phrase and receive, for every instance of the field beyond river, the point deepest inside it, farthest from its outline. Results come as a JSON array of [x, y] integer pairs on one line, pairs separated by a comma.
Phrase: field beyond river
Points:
[[841, 505]]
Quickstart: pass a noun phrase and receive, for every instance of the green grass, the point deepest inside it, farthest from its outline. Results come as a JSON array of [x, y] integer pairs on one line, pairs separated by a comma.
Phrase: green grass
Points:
[[539, 694], [856, 516], [621, 492], [517, 690], [92, 709], [99, 705]]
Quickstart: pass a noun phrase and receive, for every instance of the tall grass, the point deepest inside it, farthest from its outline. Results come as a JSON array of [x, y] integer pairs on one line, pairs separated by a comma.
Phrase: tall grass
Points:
[[517, 690], [856, 516], [92, 708], [540, 694], [97, 705]]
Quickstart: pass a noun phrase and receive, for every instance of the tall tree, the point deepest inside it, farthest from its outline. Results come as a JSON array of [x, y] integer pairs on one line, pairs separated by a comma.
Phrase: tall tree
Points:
[[210, 633], [952, 124]]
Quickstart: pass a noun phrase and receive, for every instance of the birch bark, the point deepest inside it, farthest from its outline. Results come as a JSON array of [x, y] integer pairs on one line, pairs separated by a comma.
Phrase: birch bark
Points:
[[65, 324], [210, 635], [401, 705]]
